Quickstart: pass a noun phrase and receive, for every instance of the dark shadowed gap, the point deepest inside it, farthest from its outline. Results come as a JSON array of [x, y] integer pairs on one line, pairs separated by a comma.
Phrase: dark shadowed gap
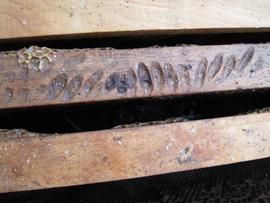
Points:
[[106, 115], [129, 42]]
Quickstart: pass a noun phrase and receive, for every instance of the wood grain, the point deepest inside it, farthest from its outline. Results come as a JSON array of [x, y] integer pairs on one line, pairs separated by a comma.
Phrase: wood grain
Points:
[[30, 18], [42, 76], [30, 161]]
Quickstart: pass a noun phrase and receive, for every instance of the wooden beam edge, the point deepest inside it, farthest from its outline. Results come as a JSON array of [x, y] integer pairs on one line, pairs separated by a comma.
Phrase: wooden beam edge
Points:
[[38, 76], [98, 16], [37, 162]]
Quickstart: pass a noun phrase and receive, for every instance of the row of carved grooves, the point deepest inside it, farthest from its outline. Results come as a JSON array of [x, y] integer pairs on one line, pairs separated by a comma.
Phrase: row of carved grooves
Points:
[[207, 73], [154, 78], [158, 78], [60, 84]]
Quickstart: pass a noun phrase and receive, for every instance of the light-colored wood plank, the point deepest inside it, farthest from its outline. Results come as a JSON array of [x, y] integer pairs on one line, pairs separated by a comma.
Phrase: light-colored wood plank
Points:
[[41, 76], [29, 18], [30, 161]]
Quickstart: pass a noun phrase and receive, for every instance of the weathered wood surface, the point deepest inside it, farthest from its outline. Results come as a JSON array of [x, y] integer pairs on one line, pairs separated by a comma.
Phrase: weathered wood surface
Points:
[[29, 161], [41, 76], [29, 18]]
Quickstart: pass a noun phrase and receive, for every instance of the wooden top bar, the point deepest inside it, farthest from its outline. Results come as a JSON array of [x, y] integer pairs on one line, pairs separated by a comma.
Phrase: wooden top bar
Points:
[[31, 18], [30, 161], [42, 76]]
